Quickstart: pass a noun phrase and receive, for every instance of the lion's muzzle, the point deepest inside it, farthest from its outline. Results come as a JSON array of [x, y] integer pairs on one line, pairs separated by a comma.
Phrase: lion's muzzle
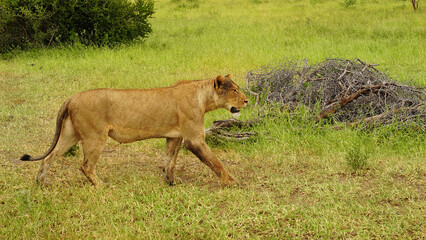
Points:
[[234, 110]]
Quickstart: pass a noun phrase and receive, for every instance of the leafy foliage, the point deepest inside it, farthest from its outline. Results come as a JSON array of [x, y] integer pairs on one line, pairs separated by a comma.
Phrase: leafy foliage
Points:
[[40, 23], [73, 151], [356, 158], [348, 3]]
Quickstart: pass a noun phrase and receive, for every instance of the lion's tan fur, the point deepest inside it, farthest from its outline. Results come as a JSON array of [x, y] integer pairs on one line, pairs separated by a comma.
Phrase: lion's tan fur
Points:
[[175, 113]]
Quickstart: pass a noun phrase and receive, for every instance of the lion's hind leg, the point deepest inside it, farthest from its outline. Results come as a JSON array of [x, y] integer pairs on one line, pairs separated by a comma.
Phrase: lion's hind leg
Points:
[[66, 140], [92, 148], [172, 150]]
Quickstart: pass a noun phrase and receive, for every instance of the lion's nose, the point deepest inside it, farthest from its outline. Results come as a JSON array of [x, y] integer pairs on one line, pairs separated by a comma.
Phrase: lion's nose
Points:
[[245, 101]]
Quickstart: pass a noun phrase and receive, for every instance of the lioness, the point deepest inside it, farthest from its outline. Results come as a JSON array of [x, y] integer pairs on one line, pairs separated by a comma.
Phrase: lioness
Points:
[[175, 113]]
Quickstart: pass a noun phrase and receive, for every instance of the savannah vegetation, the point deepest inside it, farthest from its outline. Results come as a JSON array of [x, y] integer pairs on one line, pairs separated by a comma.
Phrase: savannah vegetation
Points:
[[298, 179], [44, 23]]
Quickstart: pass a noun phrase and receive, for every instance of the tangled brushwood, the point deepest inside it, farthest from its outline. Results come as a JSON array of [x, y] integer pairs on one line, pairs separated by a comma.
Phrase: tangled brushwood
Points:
[[336, 90], [349, 91]]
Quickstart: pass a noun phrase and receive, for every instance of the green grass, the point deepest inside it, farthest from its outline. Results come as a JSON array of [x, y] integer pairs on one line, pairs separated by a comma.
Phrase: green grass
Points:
[[296, 179]]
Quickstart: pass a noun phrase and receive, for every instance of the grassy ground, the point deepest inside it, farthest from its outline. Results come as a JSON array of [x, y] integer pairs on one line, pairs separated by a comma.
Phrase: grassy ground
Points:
[[297, 181]]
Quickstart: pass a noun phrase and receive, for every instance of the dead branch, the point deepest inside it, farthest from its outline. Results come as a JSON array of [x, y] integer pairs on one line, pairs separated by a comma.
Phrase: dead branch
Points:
[[221, 129], [252, 93], [345, 101], [415, 4], [231, 136]]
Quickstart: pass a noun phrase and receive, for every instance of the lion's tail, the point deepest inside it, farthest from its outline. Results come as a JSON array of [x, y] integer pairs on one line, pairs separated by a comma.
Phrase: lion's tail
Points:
[[62, 114]]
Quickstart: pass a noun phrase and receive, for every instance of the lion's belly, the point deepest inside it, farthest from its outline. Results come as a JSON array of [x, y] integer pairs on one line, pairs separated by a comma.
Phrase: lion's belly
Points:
[[128, 135]]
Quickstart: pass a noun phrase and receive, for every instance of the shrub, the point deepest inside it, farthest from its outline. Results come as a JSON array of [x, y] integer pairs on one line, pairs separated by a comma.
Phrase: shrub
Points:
[[348, 3], [356, 158], [41, 23], [73, 151]]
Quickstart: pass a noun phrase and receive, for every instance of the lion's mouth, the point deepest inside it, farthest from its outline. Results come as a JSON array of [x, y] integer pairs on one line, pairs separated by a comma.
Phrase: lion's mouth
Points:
[[234, 110]]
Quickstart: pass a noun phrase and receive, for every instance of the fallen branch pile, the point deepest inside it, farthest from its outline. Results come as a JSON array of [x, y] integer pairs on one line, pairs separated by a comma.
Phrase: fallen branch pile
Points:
[[349, 91]]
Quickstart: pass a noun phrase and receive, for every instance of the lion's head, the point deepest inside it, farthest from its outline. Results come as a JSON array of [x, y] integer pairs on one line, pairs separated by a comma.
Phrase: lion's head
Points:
[[230, 95]]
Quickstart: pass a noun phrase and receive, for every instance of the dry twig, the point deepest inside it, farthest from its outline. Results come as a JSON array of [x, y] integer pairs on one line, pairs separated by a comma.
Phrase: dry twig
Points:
[[220, 129]]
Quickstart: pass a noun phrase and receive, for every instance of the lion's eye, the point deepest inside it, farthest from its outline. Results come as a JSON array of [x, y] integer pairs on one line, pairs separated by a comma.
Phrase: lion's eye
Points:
[[236, 91]]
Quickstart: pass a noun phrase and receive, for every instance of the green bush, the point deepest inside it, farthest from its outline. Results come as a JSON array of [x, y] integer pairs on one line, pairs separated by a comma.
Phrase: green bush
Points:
[[356, 158], [348, 3], [41, 23]]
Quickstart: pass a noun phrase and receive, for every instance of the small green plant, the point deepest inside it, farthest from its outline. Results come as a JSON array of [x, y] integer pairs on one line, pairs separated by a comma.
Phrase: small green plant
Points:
[[72, 152], [348, 3], [356, 158], [189, 4], [259, 1]]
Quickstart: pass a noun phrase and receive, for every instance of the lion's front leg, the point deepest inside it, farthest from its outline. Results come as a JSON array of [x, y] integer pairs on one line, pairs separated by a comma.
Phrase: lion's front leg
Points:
[[200, 149], [172, 150]]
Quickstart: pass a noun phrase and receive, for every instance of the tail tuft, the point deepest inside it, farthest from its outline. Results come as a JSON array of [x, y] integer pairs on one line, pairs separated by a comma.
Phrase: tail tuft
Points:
[[26, 157]]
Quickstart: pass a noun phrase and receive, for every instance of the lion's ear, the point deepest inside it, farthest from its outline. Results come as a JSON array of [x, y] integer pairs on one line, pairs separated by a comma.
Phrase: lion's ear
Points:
[[228, 76], [219, 81]]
